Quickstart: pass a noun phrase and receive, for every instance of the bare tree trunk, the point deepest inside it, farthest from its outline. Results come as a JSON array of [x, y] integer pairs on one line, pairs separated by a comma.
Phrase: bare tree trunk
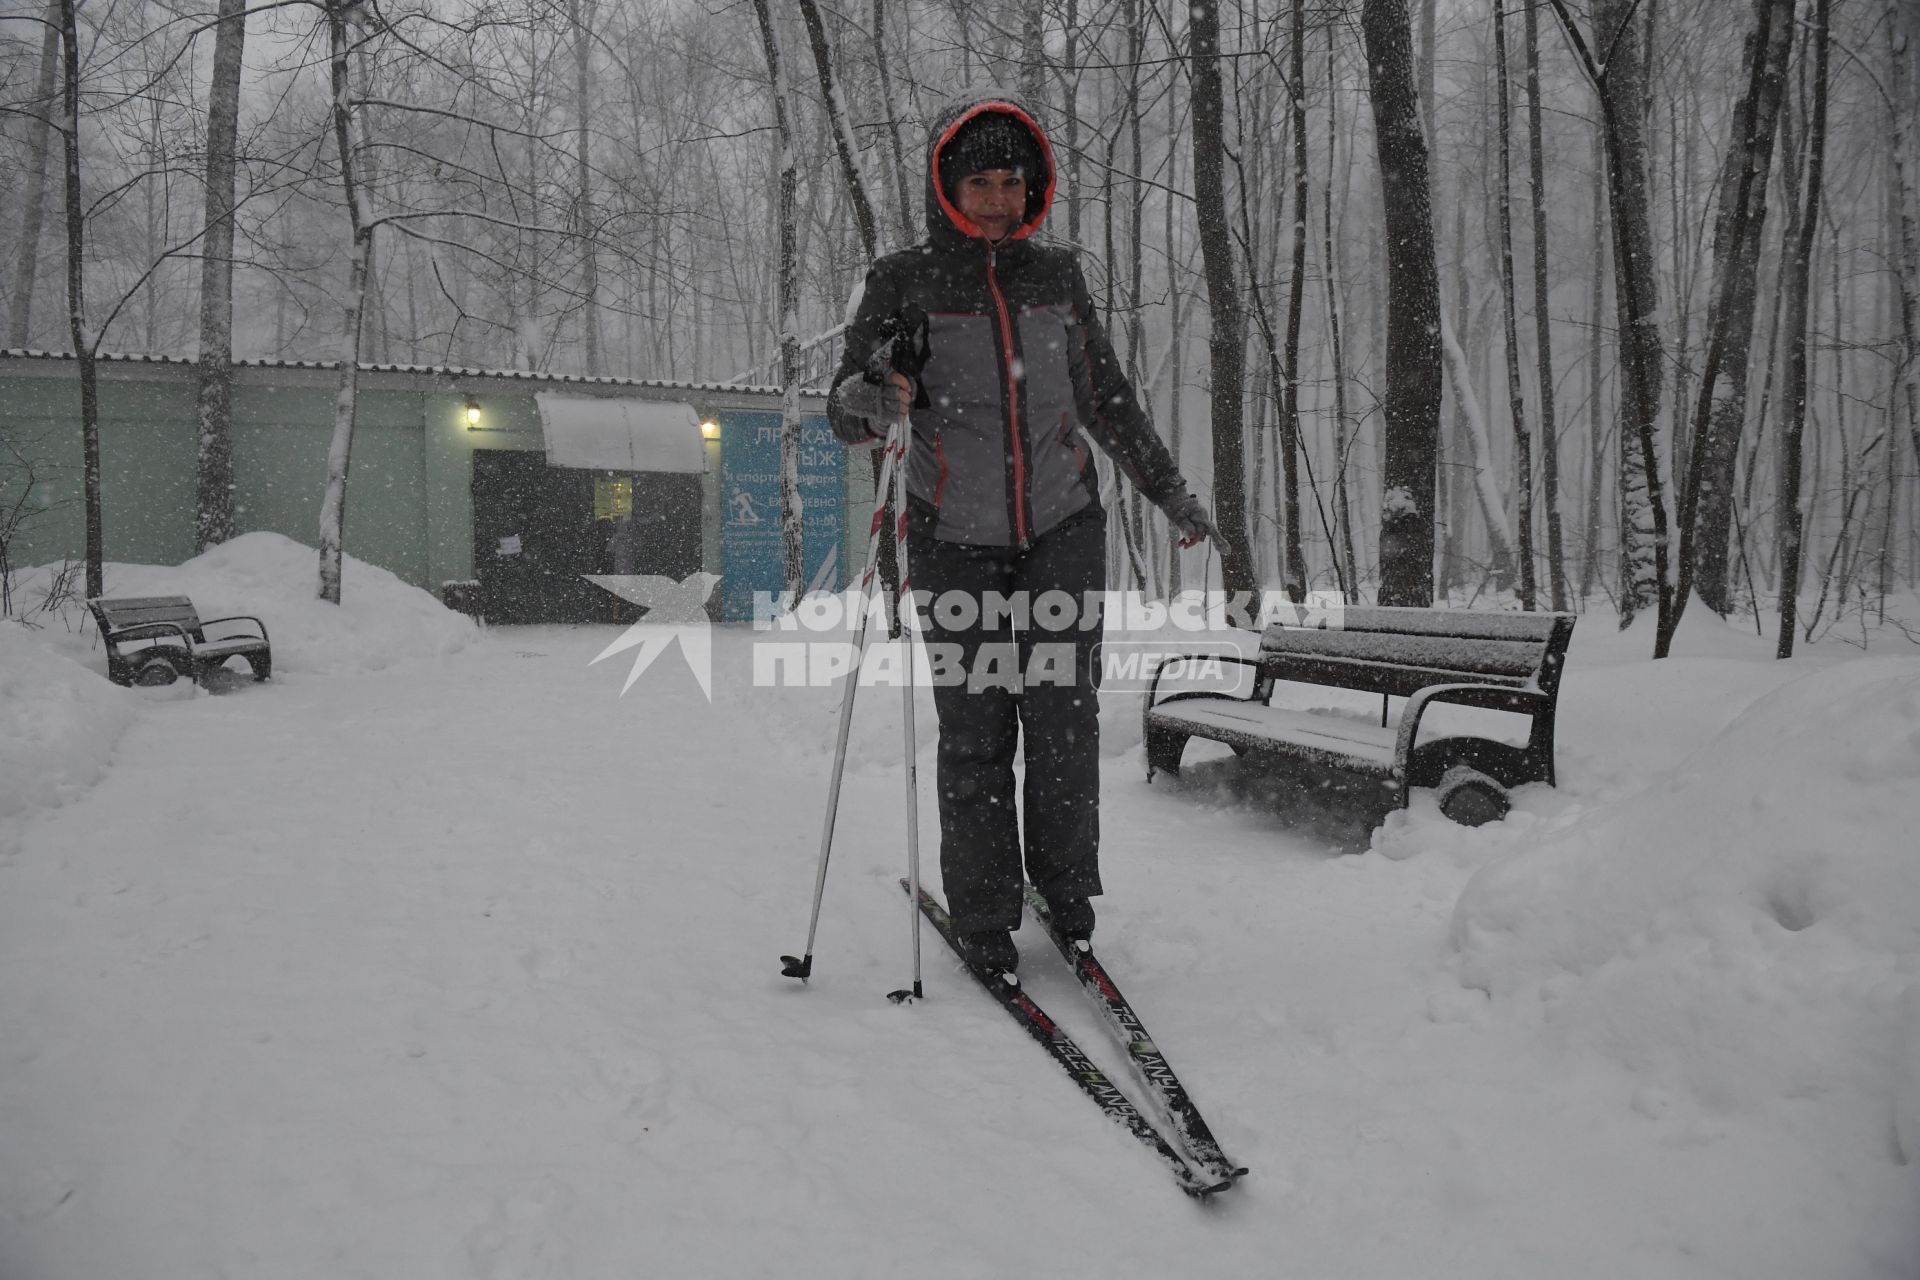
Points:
[[1620, 82], [1516, 399], [1596, 423], [843, 140], [1644, 534], [33, 205], [333, 504], [78, 332], [791, 513], [1033, 56], [1890, 304], [1907, 265], [1176, 337], [1342, 509], [1480, 436], [1706, 504], [580, 18], [903, 202], [1070, 96], [1449, 494], [374, 341], [1124, 527], [1428, 24], [1543, 321], [1449, 522], [213, 512], [1679, 197], [1412, 402], [1797, 284], [1140, 515], [865, 224], [1227, 337], [1295, 567]]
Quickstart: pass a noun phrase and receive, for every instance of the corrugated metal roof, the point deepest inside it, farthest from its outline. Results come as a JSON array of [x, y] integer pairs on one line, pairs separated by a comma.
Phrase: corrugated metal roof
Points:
[[422, 370]]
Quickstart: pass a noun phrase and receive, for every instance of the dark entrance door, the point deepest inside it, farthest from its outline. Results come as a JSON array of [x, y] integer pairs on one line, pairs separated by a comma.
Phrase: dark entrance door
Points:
[[537, 530]]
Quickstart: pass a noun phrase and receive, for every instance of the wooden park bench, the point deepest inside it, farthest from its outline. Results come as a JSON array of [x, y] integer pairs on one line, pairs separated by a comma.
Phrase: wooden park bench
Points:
[[1499, 661], [154, 640]]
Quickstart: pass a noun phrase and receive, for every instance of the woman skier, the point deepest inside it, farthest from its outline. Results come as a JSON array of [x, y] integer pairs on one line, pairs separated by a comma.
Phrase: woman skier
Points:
[[1003, 509]]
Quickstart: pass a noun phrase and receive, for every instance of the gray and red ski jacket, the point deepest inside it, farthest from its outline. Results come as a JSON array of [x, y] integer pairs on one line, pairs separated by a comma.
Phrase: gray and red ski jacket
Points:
[[1018, 369]]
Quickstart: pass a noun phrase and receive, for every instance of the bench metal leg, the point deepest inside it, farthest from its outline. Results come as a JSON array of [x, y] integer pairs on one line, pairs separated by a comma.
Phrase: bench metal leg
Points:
[[1540, 748], [1471, 798], [260, 665], [1163, 751]]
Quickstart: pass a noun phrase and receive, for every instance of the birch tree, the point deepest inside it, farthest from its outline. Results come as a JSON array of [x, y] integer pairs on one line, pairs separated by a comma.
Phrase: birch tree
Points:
[[360, 229], [213, 512], [1479, 437], [1509, 314], [1615, 65], [78, 329], [790, 508], [1796, 286], [1343, 550]]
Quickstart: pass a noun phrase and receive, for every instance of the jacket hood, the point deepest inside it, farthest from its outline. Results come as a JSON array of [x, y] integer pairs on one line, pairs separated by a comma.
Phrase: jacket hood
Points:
[[945, 222]]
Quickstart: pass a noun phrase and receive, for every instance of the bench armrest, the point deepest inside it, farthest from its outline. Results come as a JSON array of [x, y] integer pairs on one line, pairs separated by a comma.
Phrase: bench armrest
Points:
[[1160, 670], [1492, 697], [238, 617]]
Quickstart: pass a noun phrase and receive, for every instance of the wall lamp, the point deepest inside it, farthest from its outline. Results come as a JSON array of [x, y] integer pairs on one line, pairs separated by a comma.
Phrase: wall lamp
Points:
[[473, 415]]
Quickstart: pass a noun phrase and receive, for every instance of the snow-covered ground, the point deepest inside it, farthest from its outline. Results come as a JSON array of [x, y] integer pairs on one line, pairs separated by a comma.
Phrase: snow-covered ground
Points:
[[434, 957]]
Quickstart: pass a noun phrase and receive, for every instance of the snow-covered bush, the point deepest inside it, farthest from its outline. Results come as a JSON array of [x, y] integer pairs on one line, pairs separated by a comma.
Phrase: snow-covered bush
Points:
[[58, 726], [1745, 931]]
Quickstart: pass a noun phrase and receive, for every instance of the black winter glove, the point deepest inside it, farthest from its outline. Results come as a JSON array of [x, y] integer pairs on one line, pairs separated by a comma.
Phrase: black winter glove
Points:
[[1190, 520], [861, 411]]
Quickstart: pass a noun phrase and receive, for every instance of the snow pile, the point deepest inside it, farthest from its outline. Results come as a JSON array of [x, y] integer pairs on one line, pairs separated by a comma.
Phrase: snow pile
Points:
[[1745, 932], [58, 726], [380, 621]]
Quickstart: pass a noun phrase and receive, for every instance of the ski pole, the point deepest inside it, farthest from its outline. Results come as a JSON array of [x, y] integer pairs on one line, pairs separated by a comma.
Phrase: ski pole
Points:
[[906, 689], [892, 461]]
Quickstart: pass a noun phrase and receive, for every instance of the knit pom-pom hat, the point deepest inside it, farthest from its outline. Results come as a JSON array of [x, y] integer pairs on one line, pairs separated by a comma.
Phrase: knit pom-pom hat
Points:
[[991, 140]]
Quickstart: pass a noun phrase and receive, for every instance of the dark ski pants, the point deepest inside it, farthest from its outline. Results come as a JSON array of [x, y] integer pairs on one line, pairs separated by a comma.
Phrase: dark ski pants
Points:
[[983, 720]]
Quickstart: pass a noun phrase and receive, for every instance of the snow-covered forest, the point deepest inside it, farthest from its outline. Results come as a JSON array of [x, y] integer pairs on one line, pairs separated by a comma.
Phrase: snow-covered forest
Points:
[[592, 187]]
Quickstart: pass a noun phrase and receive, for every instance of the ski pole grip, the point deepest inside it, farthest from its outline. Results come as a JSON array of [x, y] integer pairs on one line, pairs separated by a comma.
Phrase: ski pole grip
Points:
[[903, 348]]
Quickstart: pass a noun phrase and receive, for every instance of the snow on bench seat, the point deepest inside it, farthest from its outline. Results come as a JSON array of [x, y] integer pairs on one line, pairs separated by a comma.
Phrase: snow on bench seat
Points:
[[228, 647], [1347, 740]]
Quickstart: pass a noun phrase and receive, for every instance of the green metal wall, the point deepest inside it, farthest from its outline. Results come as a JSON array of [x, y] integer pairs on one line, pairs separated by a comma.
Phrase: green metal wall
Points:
[[280, 441], [409, 493]]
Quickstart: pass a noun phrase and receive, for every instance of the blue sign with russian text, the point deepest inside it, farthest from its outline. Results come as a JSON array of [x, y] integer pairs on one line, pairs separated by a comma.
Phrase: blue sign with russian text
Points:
[[751, 548]]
